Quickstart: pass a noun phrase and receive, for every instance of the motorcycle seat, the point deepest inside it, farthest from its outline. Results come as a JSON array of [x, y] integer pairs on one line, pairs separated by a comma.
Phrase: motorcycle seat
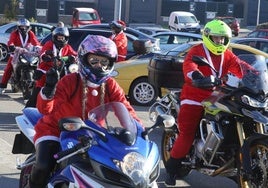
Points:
[[32, 114]]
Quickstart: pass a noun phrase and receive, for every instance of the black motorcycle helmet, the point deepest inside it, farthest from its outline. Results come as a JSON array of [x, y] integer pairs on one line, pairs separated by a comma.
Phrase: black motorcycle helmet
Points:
[[23, 26], [60, 31]]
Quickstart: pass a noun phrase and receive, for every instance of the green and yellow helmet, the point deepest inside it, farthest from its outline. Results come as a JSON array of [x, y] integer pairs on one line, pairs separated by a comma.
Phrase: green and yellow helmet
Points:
[[216, 28]]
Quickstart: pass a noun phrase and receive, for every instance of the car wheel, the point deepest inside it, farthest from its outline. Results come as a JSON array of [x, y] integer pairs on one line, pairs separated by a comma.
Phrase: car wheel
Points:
[[4, 56], [142, 93]]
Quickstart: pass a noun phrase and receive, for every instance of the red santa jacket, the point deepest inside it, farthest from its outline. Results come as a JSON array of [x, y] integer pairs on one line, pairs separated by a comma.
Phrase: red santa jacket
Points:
[[68, 102], [45, 66], [15, 39], [230, 63], [121, 43]]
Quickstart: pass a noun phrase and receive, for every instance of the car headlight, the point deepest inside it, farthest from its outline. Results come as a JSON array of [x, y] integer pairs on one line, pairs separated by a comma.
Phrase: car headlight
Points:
[[138, 168]]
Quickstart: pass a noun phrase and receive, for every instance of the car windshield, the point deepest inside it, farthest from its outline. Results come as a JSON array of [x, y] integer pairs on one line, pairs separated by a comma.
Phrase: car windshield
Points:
[[85, 16], [179, 49], [187, 19]]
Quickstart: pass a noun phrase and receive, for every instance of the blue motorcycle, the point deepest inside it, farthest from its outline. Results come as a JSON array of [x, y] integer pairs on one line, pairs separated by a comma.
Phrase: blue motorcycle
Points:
[[109, 149]]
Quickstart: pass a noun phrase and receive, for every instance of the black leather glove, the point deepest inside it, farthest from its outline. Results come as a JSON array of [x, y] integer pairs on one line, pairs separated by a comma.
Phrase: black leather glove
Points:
[[37, 74], [207, 82], [49, 52], [48, 56], [11, 48], [71, 59], [197, 75], [52, 78]]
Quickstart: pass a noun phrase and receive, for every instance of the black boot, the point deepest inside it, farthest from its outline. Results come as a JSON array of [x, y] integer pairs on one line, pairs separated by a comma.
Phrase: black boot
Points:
[[172, 168]]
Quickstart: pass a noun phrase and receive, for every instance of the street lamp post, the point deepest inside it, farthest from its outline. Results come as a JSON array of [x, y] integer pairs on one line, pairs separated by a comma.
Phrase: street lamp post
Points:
[[258, 12], [117, 9]]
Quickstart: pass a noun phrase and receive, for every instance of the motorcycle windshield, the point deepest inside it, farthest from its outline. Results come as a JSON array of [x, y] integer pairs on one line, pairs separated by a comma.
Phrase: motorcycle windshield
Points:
[[113, 116], [255, 79]]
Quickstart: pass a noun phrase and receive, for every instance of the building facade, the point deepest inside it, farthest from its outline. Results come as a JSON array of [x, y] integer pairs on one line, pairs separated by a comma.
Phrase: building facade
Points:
[[250, 12]]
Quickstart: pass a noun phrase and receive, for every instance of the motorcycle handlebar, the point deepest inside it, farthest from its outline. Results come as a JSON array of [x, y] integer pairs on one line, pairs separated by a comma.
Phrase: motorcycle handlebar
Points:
[[62, 155]]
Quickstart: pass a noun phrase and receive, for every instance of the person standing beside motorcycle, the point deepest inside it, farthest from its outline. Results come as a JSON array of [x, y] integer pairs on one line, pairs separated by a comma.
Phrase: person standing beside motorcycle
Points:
[[120, 38], [57, 47], [216, 38], [74, 95], [21, 37]]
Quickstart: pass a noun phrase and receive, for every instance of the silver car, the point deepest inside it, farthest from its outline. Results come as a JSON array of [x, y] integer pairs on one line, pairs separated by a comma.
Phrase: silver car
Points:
[[40, 30], [171, 39]]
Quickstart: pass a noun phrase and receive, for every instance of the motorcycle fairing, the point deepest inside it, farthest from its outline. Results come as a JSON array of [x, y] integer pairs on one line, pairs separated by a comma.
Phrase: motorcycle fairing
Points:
[[75, 177]]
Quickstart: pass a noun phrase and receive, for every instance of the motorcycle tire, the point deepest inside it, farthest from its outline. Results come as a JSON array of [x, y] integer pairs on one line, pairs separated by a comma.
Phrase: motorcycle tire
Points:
[[26, 92], [168, 138], [25, 174], [258, 155], [14, 89]]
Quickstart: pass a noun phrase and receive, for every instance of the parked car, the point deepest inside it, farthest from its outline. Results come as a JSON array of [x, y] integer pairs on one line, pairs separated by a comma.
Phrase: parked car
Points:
[[133, 75], [259, 43], [129, 30], [232, 22], [171, 39], [84, 16], [40, 30], [77, 35], [151, 30], [258, 33], [183, 21]]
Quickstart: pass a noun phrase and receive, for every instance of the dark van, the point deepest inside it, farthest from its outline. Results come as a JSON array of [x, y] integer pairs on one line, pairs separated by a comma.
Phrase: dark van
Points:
[[84, 16]]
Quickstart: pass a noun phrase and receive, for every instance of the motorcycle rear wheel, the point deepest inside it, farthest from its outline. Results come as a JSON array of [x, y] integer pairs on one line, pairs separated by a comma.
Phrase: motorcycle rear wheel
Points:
[[259, 155]]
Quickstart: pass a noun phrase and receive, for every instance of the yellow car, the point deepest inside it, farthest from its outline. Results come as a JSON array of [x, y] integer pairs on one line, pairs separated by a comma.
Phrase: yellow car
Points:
[[132, 75]]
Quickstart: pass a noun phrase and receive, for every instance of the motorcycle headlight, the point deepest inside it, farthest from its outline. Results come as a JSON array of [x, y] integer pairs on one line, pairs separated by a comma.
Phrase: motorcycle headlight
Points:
[[137, 168], [35, 61], [253, 102], [23, 60]]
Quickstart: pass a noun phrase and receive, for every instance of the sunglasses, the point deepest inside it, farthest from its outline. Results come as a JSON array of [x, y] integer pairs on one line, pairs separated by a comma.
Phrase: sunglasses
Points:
[[94, 61]]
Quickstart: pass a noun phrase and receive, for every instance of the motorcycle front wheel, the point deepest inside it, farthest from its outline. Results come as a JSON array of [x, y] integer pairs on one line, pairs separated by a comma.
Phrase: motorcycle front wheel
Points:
[[25, 174], [168, 138], [259, 166]]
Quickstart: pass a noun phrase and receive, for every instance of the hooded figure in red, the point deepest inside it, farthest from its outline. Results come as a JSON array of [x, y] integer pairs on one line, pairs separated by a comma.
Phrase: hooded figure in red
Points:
[[120, 38], [21, 37], [74, 95]]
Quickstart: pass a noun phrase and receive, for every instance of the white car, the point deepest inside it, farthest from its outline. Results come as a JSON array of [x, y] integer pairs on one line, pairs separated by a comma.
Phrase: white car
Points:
[[171, 39], [40, 30]]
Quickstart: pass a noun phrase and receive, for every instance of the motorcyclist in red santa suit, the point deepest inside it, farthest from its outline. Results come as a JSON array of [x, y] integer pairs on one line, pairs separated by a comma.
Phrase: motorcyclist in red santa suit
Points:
[[216, 38], [74, 95], [56, 47], [120, 38], [21, 37]]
